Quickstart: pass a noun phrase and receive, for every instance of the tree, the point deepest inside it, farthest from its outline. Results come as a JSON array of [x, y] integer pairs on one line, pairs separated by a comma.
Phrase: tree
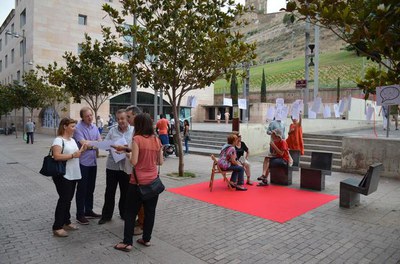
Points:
[[182, 45], [7, 101], [263, 88], [372, 27], [92, 75]]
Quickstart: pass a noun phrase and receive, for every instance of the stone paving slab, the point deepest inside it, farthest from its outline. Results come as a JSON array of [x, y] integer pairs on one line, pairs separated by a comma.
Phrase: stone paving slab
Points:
[[187, 230]]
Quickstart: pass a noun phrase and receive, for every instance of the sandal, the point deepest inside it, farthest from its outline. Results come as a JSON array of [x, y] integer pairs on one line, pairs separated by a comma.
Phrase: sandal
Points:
[[262, 177], [263, 183], [249, 182], [142, 242], [125, 247], [232, 184]]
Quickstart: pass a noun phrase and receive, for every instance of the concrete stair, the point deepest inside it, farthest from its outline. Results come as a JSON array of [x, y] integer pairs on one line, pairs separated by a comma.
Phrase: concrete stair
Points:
[[207, 142], [323, 143]]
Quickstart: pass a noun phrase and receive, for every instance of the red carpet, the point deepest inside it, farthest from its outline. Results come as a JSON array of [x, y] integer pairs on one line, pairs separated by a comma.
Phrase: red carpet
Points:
[[275, 203]]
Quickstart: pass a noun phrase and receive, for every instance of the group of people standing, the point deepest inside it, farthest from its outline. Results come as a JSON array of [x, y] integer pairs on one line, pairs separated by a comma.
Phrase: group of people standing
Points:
[[75, 145]]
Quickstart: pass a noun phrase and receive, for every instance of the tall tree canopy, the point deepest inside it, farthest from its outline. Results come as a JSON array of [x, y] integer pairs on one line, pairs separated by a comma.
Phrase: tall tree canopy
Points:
[[372, 27], [182, 45]]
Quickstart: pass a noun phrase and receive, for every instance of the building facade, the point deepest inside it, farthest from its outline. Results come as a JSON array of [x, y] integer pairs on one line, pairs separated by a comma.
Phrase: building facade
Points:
[[39, 32]]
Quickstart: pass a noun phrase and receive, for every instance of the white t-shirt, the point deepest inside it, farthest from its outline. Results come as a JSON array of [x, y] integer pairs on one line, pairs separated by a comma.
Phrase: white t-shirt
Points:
[[72, 171]]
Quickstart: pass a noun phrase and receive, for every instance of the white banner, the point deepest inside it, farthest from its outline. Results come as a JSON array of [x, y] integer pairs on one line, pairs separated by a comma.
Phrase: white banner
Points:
[[227, 101], [242, 104]]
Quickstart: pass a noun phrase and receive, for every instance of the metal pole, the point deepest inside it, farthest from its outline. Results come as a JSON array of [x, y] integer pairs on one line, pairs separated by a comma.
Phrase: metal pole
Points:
[[134, 79], [23, 73], [306, 69], [316, 60], [245, 94], [155, 106]]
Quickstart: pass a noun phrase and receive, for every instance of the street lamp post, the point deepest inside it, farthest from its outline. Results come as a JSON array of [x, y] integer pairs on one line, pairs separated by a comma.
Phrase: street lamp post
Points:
[[16, 35]]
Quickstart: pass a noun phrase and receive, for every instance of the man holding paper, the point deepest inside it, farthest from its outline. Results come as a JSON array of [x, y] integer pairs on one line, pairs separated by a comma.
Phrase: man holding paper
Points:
[[115, 168]]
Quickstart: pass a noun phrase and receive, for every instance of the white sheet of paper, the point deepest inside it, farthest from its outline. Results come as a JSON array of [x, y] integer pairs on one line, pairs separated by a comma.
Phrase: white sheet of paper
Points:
[[370, 111], [280, 102], [228, 101], [312, 114], [270, 113], [342, 106], [118, 156], [281, 113], [327, 111], [242, 104], [349, 103], [316, 105], [106, 144], [296, 108], [336, 110]]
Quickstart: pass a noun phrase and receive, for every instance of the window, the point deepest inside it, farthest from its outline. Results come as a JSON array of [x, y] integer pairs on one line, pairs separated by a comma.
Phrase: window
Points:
[[18, 76], [6, 61], [22, 18], [79, 49], [1, 44], [1, 65], [12, 56], [6, 39], [82, 20], [22, 48], [12, 28]]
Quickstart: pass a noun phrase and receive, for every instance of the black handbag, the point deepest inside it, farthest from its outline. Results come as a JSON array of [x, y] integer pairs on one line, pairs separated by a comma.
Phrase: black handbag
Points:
[[150, 190], [52, 167]]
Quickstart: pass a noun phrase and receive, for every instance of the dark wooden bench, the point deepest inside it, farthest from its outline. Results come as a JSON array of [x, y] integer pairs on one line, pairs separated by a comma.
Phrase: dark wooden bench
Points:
[[350, 189], [313, 177], [283, 175]]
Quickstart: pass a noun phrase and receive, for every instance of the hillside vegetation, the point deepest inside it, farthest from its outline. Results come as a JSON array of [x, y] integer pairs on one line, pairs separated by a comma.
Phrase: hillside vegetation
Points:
[[282, 75]]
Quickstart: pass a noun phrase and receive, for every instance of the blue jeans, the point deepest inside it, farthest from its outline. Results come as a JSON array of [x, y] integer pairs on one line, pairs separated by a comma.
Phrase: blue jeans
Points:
[[277, 162], [85, 190], [237, 174], [164, 139], [186, 145]]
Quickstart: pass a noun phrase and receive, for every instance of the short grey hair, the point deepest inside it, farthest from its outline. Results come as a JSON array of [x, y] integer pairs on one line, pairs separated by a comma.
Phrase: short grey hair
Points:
[[134, 109]]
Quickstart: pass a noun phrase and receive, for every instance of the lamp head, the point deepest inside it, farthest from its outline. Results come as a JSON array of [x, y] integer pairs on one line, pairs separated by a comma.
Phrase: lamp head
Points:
[[311, 62], [311, 46]]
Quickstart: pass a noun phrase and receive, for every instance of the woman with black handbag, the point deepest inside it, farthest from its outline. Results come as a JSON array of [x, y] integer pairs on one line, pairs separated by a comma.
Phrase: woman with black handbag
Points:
[[64, 148], [146, 155]]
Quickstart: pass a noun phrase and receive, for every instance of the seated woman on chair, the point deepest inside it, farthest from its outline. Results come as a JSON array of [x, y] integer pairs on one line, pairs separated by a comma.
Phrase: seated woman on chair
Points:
[[278, 158], [242, 152], [227, 161]]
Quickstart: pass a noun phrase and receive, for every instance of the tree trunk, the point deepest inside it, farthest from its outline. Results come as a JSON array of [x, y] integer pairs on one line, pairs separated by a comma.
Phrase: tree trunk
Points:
[[179, 139]]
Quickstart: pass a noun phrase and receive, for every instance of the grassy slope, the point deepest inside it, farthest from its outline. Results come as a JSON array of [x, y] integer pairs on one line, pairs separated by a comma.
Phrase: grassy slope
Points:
[[282, 74]]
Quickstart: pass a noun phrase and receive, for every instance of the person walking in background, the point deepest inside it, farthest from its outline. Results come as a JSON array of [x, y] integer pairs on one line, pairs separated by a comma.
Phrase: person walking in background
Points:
[[65, 149], [100, 124], [162, 128], [227, 117], [146, 155], [115, 174], [30, 129], [295, 136], [227, 161], [394, 111], [242, 152], [85, 133], [385, 116], [186, 135], [219, 117]]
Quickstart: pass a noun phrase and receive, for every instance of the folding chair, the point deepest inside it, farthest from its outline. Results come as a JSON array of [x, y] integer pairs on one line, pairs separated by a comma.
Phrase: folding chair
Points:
[[216, 169]]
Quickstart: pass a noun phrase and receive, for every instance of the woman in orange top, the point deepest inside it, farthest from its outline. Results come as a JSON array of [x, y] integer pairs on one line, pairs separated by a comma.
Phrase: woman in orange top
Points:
[[295, 138], [146, 155]]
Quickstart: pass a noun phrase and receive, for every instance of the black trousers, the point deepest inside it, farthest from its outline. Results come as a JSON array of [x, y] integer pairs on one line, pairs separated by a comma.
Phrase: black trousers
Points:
[[85, 190], [133, 204], [29, 135], [113, 179], [65, 189]]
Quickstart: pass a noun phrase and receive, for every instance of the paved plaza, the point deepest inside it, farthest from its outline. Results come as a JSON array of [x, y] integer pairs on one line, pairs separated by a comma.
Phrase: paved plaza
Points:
[[187, 230]]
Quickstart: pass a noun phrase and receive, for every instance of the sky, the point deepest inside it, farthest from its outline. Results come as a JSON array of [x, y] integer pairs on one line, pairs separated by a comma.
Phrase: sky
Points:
[[7, 5]]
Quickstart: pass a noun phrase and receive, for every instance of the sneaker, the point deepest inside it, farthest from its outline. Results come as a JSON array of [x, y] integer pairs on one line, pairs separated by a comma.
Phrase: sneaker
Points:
[[92, 214], [82, 220], [262, 177]]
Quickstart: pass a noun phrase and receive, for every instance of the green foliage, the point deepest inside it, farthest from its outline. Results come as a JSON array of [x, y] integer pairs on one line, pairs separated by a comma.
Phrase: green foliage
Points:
[[181, 45], [263, 88], [234, 88], [372, 27], [6, 99], [93, 74]]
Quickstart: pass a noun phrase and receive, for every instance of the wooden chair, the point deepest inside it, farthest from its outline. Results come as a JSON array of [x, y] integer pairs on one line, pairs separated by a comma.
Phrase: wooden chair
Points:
[[216, 169]]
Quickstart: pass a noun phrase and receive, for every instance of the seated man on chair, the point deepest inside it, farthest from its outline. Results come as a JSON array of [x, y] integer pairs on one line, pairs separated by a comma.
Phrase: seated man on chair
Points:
[[279, 156], [227, 161]]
